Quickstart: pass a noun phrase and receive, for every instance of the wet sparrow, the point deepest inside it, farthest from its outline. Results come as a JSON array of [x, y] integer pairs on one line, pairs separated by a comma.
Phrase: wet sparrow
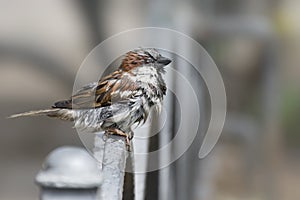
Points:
[[117, 101]]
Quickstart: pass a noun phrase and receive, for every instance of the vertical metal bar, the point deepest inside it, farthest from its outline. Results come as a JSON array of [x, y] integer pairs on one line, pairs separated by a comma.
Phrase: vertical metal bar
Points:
[[111, 153], [184, 23], [152, 179], [129, 179], [271, 137], [141, 145]]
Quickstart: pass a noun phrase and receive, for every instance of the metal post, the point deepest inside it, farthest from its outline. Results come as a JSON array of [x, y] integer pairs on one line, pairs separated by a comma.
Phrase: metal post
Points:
[[111, 153], [69, 173]]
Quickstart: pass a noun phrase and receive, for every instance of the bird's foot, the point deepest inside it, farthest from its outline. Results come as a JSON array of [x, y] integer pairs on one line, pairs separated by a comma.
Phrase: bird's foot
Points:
[[128, 137]]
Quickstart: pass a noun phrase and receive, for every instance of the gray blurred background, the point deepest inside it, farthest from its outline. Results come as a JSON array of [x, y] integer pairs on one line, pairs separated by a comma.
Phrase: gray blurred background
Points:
[[254, 43]]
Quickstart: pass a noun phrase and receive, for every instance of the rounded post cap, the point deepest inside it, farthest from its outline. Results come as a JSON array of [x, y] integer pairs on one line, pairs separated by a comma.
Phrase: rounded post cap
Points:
[[69, 167]]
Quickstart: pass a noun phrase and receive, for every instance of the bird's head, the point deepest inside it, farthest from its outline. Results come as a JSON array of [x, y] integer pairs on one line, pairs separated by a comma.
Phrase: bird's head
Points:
[[142, 57]]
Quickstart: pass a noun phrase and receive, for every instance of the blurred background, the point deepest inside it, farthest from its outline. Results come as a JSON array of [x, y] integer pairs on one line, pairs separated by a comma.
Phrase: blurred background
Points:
[[255, 45]]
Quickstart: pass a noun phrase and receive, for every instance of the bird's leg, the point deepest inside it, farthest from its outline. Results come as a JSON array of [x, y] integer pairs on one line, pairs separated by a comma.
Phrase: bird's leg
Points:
[[130, 135], [114, 131]]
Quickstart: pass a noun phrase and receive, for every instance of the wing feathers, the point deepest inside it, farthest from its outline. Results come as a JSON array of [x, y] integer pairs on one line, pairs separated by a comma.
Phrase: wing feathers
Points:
[[112, 88]]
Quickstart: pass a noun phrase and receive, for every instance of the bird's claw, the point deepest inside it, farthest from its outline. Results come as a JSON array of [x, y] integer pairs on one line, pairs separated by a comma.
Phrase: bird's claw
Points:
[[127, 136]]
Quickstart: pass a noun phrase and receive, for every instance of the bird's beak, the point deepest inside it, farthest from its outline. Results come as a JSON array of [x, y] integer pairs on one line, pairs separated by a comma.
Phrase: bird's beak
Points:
[[164, 61]]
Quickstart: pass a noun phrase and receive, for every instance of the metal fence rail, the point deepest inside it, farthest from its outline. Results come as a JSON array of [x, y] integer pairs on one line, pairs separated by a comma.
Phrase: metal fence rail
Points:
[[112, 155]]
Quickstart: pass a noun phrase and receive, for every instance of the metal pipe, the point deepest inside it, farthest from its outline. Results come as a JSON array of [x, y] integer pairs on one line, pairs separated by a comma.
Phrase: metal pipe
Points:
[[111, 153]]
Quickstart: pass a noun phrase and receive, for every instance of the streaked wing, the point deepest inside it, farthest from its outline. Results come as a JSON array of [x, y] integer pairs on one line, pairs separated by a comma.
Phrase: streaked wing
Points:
[[110, 89]]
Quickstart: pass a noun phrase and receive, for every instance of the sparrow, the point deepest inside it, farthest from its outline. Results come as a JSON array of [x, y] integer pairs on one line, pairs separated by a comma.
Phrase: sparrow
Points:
[[117, 101]]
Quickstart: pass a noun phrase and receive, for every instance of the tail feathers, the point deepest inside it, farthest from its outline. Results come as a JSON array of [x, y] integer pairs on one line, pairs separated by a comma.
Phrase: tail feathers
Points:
[[64, 114]]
